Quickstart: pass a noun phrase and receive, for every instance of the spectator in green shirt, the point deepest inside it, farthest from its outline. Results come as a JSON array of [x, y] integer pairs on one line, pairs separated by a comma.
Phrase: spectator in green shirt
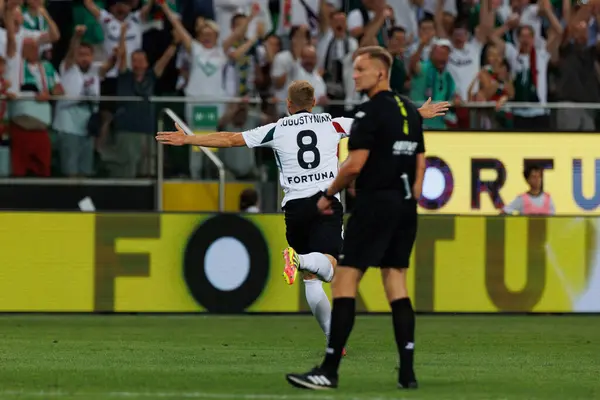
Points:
[[475, 12], [34, 20], [81, 16], [397, 47], [432, 79]]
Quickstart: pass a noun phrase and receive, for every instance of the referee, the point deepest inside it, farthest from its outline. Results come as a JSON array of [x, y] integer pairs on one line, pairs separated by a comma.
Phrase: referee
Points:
[[388, 162]]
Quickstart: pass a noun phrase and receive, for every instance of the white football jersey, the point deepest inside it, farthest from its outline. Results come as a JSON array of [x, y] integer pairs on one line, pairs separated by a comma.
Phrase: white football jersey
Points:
[[306, 150]]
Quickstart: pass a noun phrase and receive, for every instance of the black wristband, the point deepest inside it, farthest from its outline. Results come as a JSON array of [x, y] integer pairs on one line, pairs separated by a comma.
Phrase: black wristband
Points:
[[328, 197]]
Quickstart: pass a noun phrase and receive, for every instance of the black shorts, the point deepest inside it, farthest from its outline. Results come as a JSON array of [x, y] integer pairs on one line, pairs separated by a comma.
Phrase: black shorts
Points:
[[381, 232], [308, 231]]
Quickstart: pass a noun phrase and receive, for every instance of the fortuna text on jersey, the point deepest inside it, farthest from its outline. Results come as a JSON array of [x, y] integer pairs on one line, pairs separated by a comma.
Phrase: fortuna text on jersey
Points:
[[328, 176]]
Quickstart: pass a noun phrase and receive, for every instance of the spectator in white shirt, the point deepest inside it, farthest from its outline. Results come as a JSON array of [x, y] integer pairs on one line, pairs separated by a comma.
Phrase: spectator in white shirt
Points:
[[22, 33], [266, 53], [405, 13], [465, 56], [283, 65], [225, 10], [529, 65], [335, 39], [352, 97], [240, 71], [182, 63], [520, 13], [208, 60], [307, 71], [294, 13], [79, 78], [449, 11], [35, 21], [111, 23], [373, 18], [30, 142], [335, 46]]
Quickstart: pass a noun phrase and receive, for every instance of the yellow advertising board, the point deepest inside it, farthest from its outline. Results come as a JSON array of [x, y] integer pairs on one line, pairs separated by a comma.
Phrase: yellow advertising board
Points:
[[479, 172], [201, 196], [61, 262]]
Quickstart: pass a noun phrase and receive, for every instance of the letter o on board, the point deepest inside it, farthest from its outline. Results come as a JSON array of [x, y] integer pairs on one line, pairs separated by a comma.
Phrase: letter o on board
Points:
[[438, 184], [226, 264]]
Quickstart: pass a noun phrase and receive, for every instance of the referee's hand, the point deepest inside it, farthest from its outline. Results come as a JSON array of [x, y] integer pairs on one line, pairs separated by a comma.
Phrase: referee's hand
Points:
[[324, 206], [432, 110]]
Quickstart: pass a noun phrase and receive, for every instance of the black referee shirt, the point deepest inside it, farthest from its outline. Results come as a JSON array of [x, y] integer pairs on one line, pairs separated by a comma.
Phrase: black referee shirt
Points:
[[391, 127]]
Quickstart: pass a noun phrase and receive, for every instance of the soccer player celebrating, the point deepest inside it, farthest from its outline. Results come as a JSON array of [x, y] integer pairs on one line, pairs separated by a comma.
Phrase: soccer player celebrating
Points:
[[305, 147], [306, 151]]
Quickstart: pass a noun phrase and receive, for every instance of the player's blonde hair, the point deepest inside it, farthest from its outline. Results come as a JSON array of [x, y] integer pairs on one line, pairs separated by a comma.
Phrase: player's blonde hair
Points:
[[301, 94]]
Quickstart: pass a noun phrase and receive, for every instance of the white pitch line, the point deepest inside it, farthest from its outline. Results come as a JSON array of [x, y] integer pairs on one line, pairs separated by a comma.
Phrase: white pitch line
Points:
[[202, 395]]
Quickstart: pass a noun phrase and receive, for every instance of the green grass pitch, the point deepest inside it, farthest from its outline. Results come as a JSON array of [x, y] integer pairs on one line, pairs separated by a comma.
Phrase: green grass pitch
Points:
[[246, 357]]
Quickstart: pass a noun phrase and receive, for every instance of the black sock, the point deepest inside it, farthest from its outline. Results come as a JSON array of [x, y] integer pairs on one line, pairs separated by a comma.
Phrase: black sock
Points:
[[404, 330], [342, 321]]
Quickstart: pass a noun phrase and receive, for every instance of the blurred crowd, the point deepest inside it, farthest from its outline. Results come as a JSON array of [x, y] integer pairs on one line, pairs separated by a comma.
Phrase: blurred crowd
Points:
[[210, 51]]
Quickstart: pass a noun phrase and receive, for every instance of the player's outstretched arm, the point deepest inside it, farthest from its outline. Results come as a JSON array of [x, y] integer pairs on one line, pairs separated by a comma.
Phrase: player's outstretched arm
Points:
[[429, 110], [217, 139]]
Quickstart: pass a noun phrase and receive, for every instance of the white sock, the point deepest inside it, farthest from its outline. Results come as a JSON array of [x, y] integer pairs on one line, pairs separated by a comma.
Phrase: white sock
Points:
[[319, 304], [318, 264]]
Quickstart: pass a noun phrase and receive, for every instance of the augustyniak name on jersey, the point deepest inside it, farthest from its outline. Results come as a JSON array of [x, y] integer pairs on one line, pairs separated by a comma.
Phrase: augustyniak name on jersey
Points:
[[321, 176], [306, 119]]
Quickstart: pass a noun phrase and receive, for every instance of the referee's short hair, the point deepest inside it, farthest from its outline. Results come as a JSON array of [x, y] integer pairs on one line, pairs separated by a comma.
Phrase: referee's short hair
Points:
[[377, 53], [301, 94]]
